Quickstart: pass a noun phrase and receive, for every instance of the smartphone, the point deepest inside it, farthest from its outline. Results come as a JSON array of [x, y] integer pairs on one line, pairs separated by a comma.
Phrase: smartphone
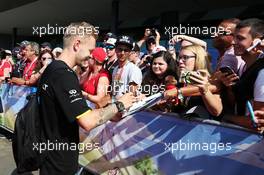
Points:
[[185, 76], [227, 70]]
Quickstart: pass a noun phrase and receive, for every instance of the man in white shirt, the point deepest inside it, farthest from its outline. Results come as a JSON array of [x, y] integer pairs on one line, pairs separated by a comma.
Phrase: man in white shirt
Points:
[[126, 76]]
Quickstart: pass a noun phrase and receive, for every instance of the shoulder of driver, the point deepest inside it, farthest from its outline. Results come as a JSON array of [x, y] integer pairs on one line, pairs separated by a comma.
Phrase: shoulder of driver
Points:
[[67, 90]]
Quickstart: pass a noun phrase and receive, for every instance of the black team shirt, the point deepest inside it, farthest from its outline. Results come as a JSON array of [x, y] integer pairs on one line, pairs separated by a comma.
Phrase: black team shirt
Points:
[[61, 102]]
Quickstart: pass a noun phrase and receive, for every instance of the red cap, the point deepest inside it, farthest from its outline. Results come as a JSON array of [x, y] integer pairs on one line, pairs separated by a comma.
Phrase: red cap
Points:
[[99, 54]]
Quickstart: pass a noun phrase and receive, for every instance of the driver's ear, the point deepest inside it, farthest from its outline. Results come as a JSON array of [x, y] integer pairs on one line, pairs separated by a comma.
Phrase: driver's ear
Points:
[[76, 44]]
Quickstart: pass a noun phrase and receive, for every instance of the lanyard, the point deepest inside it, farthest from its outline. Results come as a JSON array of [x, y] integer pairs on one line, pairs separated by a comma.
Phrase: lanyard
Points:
[[113, 62], [31, 64]]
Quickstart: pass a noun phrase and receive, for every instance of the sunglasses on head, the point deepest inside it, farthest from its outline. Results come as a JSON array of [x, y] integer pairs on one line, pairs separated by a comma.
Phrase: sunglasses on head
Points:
[[109, 47]]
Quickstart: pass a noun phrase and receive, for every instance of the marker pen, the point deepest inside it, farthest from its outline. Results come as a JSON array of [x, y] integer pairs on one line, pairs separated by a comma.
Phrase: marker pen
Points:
[[252, 115]]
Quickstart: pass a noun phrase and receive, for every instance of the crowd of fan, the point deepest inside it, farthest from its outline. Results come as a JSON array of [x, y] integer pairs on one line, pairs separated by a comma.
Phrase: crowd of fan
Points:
[[190, 86]]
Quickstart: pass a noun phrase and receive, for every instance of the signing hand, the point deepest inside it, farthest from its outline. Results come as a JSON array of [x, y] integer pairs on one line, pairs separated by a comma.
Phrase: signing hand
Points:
[[128, 99]]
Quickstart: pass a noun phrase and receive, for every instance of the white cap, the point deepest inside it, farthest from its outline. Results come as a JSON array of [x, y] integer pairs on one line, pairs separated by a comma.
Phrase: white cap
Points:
[[57, 49], [157, 49], [8, 52], [111, 41]]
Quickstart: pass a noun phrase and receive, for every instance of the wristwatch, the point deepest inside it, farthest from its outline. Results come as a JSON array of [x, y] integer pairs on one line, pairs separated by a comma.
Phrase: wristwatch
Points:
[[120, 106]]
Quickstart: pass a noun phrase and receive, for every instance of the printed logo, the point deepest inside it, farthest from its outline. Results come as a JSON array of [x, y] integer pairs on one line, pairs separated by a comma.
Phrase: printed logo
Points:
[[44, 87], [72, 92]]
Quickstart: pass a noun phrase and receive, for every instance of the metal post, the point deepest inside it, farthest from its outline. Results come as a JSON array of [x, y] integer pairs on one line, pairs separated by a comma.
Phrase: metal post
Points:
[[14, 37], [115, 16]]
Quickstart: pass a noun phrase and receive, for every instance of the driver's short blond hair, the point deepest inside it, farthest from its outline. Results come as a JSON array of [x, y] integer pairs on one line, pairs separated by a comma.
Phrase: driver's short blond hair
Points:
[[79, 29]]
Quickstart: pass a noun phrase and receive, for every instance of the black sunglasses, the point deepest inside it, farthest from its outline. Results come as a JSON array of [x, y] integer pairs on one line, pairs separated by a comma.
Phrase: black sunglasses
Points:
[[109, 47], [44, 58]]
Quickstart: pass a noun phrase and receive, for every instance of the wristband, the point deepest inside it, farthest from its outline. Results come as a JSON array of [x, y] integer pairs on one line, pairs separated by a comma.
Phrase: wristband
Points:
[[113, 99], [180, 95]]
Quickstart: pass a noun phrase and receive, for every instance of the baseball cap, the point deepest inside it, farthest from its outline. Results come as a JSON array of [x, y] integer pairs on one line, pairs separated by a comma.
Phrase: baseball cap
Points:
[[109, 35], [99, 54], [8, 52], [158, 49], [151, 39], [23, 43], [46, 44], [15, 51], [126, 40], [57, 49], [111, 41]]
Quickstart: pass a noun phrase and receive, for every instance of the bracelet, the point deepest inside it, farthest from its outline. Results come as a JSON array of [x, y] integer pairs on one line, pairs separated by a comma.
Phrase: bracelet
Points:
[[180, 95], [39, 72]]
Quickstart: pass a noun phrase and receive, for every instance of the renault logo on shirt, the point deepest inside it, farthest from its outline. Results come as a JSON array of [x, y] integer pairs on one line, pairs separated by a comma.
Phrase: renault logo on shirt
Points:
[[74, 95], [72, 92]]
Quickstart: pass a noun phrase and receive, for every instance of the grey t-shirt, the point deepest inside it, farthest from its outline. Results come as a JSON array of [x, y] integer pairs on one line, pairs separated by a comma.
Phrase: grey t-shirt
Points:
[[121, 78]]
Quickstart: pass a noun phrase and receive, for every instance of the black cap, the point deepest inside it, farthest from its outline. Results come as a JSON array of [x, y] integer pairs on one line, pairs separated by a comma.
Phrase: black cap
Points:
[[151, 39], [46, 44], [126, 40], [15, 51], [23, 44], [109, 35]]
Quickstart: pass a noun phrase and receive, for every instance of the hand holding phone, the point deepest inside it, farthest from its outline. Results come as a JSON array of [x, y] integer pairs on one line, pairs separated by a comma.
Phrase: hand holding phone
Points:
[[227, 70], [230, 78], [256, 42]]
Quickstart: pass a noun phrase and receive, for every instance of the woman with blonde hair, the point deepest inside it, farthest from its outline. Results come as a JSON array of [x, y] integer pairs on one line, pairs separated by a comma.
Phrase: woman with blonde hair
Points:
[[194, 68], [193, 58]]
